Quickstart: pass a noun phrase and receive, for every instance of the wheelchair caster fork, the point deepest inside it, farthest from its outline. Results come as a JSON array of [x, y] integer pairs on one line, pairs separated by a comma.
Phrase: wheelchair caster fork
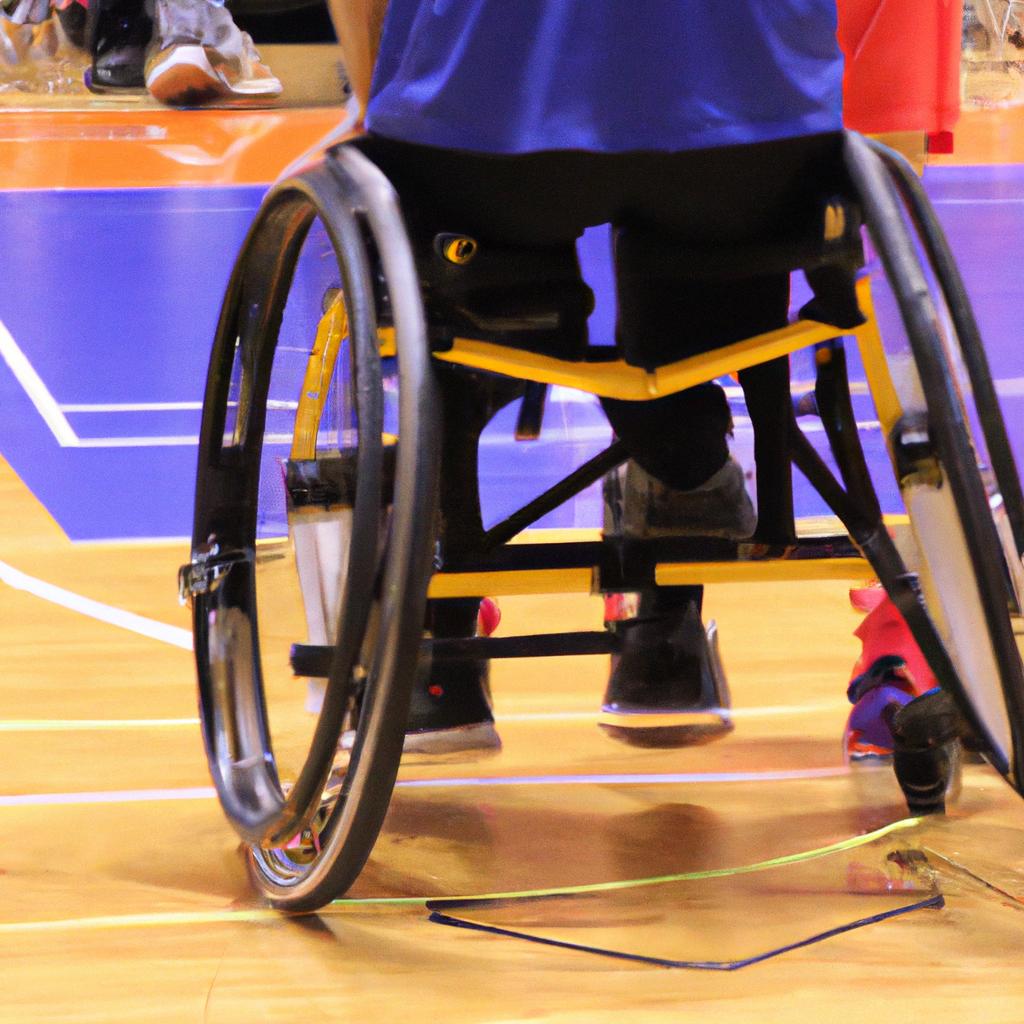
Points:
[[926, 755]]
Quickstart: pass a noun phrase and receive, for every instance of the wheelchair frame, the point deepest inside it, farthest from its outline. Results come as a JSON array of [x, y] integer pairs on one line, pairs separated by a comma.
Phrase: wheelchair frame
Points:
[[336, 820]]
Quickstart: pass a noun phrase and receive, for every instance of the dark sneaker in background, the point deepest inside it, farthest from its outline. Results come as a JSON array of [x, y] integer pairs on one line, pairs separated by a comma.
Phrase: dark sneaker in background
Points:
[[73, 17], [118, 33]]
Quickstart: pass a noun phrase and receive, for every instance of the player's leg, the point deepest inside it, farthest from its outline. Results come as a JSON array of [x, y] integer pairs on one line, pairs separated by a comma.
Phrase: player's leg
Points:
[[446, 191], [681, 479], [666, 688]]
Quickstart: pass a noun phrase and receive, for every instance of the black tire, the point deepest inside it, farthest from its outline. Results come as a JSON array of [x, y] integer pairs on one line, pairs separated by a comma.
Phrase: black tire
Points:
[[970, 347], [310, 832], [961, 558]]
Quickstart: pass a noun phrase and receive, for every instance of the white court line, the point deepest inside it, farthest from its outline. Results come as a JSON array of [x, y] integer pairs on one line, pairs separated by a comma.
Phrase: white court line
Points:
[[53, 413], [152, 441], [102, 407], [753, 712], [628, 779], [173, 635], [130, 796], [131, 406], [120, 724], [123, 796], [1011, 201], [95, 724], [134, 542], [1011, 387], [36, 390]]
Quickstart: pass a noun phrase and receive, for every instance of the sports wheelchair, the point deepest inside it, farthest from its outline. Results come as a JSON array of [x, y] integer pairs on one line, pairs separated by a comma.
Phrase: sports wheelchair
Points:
[[322, 527]]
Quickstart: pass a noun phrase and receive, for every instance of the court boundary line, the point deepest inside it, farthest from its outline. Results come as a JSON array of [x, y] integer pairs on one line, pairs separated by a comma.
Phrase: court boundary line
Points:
[[54, 413], [153, 629], [169, 795], [516, 718]]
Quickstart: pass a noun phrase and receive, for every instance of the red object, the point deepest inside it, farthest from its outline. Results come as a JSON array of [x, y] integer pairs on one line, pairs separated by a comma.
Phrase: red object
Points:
[[902, 64], [616, 607], [488, 617], [940, 142], [884, 632]]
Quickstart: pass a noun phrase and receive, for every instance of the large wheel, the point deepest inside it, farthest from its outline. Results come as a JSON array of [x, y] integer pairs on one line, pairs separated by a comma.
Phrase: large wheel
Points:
[[314, 526], [963, 505]]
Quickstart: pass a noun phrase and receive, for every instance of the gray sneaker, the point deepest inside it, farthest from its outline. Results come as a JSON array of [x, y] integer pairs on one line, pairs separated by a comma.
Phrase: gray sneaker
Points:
[[639, 506]]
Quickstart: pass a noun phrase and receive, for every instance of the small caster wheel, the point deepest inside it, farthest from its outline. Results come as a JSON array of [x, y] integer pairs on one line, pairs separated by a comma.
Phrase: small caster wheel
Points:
[[927, 753]]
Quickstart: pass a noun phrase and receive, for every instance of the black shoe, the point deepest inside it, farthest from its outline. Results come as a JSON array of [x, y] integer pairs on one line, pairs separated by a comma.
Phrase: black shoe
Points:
[[73, 24], [451, 704], [119, 33], [666, 688], [451, 712]]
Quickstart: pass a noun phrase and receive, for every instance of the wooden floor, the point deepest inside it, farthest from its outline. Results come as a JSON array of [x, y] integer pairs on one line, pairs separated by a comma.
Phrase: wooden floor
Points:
[[124, 897]]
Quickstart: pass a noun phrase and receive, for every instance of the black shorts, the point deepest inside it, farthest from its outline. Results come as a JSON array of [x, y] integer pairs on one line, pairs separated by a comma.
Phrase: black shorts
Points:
[[654, 201]]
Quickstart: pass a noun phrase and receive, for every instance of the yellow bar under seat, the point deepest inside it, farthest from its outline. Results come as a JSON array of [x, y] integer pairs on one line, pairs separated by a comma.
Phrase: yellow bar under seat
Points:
[[618, 379]]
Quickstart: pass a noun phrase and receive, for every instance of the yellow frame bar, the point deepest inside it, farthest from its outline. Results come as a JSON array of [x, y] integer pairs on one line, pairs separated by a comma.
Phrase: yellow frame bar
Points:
[[512, 583], [615, 380], [332, 328], [618, 379], [876, 368], [525, 582], [673, 574]]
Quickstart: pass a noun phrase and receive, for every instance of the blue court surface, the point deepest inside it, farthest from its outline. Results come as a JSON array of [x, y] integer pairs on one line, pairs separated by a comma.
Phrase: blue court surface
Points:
[[109, 307]]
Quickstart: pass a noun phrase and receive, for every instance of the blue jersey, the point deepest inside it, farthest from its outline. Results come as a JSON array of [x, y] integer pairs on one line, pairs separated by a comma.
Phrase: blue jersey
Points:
[[517, 76]]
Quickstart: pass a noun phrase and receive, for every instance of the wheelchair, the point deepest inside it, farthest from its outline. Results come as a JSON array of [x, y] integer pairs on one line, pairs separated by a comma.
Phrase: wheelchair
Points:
[[322, 527]]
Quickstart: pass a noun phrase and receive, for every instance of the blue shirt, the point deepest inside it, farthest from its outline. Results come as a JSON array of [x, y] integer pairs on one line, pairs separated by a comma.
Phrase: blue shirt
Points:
[[516, 76]]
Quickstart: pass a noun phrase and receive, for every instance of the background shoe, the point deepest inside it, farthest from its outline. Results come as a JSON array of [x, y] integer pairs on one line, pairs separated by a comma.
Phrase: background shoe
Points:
[[666, 687], [73, 17], [118, 33], [45, 41], [15, 41], [876, 695], [451, 712], [449, 715], [199, 56], [25, 12], [891, 670], [884, 632]]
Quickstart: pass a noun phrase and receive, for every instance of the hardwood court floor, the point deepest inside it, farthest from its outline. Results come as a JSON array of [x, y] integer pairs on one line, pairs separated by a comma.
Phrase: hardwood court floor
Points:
[[124, 898]]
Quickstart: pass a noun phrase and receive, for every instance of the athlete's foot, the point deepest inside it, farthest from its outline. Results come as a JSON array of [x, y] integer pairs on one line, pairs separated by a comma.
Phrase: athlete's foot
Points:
[[199, 56], [666, 687], [450, 715], [876, 695]]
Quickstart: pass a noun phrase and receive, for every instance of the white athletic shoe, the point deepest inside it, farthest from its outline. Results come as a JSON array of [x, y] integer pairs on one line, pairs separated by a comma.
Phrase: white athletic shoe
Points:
[[200, 56]]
